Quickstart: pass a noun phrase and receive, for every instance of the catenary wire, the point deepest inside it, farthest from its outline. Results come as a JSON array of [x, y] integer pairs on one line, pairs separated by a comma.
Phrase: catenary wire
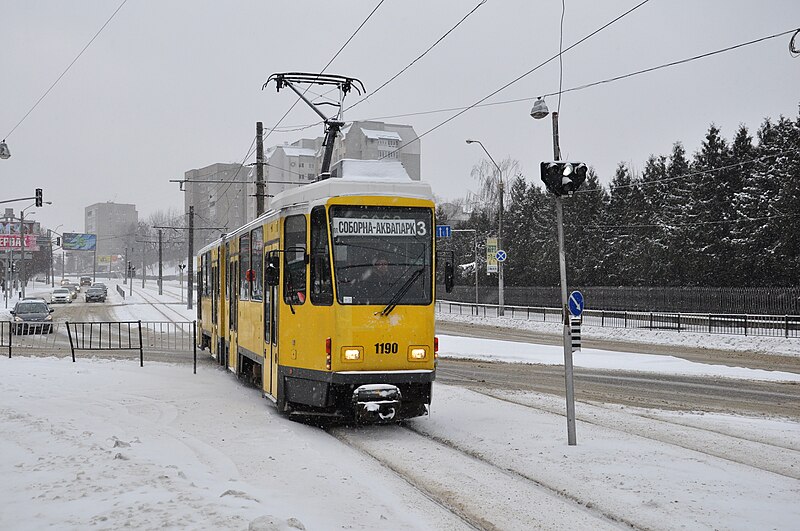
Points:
[[572, 89], [66, 70], [573, 45], [250, 152], [687, 175]]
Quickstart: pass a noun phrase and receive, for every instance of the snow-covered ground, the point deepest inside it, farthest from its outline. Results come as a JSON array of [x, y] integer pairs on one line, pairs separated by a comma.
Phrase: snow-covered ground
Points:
[[106, 444]]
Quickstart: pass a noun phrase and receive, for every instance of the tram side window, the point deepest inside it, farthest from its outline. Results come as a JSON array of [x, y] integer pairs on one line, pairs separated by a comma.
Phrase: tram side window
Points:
[[294, 276], [256, 264], [244, 267], [207, 275], [321, 286]]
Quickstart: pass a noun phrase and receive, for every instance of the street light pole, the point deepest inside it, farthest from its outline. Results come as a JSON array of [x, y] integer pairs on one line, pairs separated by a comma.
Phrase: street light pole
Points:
[[500, 295], [540, 111]]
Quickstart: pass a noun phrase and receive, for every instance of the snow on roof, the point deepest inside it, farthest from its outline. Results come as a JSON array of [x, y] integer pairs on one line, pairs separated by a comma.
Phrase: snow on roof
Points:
[[388, 135], [292, 151], [370, 170]]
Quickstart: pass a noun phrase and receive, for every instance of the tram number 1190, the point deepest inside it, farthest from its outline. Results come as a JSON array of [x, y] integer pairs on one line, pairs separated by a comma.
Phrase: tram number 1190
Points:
[[385, 348]]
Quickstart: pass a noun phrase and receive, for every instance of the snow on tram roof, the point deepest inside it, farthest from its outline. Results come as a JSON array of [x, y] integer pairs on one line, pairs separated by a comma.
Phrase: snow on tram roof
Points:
[[348, 177], [357, 177]]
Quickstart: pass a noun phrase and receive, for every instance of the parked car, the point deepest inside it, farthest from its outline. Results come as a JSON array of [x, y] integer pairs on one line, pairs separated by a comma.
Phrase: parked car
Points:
[[61, 295], [32, 317], [95, 294], [86, 281]]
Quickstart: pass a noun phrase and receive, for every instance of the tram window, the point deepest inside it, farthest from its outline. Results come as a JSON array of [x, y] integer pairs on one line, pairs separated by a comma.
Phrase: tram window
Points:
[[228, 272], [206, 280], [244, 267], [256, 264], [321, 286], [382, 255], [294, 275]]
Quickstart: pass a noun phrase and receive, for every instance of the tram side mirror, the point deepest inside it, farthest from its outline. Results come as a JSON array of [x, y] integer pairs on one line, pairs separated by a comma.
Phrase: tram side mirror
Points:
[[272, 272], [449, 276]]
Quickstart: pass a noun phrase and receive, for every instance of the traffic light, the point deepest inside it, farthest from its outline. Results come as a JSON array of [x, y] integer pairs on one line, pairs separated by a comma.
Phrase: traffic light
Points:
[[39, 197], [563, 178], [58, 241]]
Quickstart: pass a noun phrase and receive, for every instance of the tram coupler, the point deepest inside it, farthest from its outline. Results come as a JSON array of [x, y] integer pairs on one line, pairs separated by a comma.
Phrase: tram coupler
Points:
[[376, 403]]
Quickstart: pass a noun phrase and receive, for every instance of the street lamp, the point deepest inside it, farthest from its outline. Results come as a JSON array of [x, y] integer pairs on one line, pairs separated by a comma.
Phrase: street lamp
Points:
[[500, 299], [538, 112]]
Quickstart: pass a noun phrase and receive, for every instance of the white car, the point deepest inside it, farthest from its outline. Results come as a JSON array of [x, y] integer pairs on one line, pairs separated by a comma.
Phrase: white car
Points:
[[61, 295]]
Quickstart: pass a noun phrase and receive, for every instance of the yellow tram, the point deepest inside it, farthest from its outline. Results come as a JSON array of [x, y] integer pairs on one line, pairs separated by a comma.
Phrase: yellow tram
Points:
[[326, 301]]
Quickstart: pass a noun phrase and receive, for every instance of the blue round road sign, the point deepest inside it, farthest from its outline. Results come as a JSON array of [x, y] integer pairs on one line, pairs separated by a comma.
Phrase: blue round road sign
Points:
[[575, 303], [501, 255]]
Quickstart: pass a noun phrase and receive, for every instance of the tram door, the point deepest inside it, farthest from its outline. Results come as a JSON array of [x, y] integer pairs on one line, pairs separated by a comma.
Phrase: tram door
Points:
[[224, 297], [233, 312], [270, 376]]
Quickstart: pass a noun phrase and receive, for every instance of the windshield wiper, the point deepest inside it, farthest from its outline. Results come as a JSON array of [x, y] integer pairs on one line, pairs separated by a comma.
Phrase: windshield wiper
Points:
[[401, 292]]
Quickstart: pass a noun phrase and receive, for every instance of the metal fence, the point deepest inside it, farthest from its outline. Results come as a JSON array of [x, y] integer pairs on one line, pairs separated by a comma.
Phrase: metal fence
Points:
[[761, 301], [167, 339], [712, 323]]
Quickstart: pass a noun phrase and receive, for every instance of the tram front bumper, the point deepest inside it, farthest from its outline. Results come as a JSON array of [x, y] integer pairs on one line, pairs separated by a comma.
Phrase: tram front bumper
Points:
[[376, 403]]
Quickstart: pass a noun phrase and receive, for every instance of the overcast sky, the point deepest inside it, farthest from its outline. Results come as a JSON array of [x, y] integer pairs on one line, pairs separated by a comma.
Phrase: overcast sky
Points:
[[171, 86]]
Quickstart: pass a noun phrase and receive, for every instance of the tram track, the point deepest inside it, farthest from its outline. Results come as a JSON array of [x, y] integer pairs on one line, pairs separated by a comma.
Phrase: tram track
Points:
[[159, 306], [465, 482], [759, 454]]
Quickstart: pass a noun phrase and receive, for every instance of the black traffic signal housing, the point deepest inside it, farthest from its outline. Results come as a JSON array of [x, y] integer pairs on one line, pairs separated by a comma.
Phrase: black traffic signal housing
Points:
[[39, 201], [58, 241], [563, 178]]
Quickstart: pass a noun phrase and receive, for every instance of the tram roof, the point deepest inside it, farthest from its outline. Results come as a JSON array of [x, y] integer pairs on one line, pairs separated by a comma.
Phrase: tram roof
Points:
[[349, 177]]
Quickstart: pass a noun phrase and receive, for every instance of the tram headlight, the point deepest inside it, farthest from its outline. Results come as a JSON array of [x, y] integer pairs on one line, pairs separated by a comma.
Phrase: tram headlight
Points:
[[351, 353], [417, 353]]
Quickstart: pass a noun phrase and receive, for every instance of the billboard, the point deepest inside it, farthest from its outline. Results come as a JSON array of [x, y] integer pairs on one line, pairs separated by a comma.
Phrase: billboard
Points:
[[72, 241], [13, 242]]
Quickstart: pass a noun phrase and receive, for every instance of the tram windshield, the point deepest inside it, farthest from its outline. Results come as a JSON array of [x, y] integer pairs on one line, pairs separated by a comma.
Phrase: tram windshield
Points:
[[382, 255]]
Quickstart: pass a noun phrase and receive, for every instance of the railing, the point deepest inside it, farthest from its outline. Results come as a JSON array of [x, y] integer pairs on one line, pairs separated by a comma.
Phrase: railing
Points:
[[120, 291], [120, 335], [736, 324], [154, 337]]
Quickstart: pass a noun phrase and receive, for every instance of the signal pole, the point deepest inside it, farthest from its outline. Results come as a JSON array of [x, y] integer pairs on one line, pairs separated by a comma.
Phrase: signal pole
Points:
[[190, 263], [160, 265]]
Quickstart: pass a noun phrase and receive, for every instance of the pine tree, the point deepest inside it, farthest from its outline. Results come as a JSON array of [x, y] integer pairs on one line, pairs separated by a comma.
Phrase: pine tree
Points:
[[623, 214], [583, 212], [711, 210]]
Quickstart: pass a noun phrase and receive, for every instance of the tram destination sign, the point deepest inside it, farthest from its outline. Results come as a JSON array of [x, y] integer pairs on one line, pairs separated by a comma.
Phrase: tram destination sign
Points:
[[378, 227]]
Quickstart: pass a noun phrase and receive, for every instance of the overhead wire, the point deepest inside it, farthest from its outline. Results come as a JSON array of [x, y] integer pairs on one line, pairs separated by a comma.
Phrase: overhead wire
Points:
[[517, 79], [65, 70], [572, 89], [423, 54], [352, 36], [641, 184]]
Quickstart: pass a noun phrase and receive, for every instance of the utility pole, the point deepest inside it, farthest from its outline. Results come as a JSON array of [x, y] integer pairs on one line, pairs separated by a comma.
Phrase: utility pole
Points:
[[160, 265], [190, 263], [50, 240], [259, 169], [143, 267]]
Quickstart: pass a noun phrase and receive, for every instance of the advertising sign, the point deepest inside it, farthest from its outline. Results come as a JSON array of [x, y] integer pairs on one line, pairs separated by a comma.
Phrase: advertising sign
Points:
[[72, 241], [491, 255], [14, 242]]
